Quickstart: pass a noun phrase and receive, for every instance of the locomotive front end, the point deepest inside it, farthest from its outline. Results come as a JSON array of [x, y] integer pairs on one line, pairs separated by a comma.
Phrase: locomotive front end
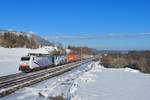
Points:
[[25, 64]]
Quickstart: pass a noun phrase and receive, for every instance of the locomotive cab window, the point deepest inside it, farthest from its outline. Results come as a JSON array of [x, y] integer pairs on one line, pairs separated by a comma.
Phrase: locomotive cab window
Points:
[[25, 58]]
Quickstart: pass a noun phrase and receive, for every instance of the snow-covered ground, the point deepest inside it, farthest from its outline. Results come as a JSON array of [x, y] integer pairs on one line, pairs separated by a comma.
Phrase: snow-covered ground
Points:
[[59, 85], [90, 82], [111, 84], [10, 58]]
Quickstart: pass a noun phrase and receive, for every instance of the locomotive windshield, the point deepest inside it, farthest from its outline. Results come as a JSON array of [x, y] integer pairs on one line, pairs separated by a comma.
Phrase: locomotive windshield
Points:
[[25, 58]]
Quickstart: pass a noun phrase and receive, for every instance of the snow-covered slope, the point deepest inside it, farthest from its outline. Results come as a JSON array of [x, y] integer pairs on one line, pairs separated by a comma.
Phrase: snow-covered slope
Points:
[[44, 50], [10, 58], [90, 82], [111, 84]]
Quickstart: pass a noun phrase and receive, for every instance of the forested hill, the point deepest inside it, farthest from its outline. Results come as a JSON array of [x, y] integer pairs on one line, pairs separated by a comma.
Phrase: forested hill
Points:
[[14, 39]]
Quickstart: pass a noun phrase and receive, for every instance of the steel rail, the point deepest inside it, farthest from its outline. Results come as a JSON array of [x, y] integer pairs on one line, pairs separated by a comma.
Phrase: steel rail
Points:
[[11, 85]]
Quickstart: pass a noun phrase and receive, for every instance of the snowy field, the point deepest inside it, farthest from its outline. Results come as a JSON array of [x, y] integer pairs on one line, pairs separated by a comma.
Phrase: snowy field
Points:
[[111, 84], [10, 58], [90, 82]]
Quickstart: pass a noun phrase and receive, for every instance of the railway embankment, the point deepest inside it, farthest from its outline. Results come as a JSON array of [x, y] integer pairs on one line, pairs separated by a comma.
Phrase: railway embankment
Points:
[[11, 84]]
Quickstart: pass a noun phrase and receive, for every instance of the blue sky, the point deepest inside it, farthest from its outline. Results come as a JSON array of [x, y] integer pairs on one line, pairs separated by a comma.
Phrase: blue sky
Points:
[[102, 24]]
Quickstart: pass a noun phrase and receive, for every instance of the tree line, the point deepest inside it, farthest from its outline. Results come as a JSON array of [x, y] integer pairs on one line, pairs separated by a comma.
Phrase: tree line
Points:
[[11, 40], [135, 59], [82, 50]]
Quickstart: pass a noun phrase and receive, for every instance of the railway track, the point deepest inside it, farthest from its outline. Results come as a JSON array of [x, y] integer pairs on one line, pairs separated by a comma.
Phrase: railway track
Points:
[[3, 78], [9, 84]]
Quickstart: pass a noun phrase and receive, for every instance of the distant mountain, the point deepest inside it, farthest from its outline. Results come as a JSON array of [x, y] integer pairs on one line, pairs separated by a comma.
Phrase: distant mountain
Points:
[[42, 41], [11, 38], [113, 51], [95, 51]]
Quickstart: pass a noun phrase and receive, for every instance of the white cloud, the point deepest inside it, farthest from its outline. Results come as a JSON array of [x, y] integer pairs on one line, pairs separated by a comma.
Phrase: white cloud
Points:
[[145, 33], [109, 35]]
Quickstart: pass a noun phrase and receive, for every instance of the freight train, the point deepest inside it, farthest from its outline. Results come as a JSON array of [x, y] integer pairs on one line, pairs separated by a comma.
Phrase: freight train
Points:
[[33, 62]]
